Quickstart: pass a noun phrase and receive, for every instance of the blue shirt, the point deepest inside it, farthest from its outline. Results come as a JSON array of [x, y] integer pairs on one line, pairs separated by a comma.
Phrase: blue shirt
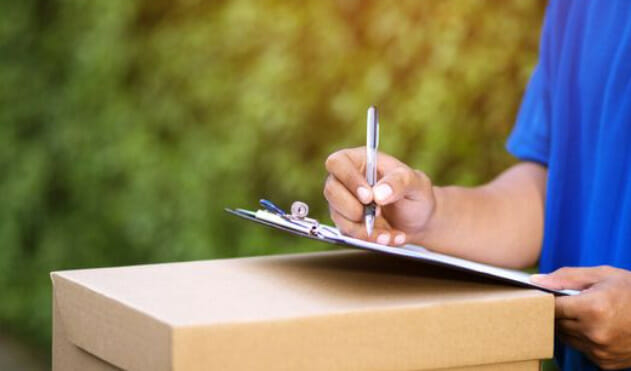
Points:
[[575, 119]]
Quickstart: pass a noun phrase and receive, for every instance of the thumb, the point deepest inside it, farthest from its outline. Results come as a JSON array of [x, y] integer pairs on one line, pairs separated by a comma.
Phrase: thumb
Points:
[[571, 278], [399, 183]]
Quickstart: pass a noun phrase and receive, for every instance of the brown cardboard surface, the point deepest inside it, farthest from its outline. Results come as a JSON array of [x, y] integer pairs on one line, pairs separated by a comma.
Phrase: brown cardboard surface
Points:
[[69, 357], [337, 310], [510, 366]]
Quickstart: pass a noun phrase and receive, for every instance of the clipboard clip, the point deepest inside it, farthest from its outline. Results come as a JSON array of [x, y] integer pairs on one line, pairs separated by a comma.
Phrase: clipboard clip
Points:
[[299, 216]]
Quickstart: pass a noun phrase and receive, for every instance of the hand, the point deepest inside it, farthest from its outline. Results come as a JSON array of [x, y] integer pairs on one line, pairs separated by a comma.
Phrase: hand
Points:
[[597, 322], [404, 197]]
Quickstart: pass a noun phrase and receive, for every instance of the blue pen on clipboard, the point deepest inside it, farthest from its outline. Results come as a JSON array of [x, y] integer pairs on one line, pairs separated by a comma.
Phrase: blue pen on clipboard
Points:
[[372, 141], [271, 207]]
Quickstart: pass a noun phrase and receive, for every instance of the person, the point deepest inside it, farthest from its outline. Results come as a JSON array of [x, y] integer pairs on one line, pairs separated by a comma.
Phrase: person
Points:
[[566, 204]]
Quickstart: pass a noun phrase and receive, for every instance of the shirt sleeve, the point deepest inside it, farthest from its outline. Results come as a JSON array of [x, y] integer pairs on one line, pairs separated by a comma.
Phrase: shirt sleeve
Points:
[[530, 138]]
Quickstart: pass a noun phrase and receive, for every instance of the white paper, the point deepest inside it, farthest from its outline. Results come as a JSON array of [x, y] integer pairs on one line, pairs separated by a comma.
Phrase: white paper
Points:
[[413, 251]]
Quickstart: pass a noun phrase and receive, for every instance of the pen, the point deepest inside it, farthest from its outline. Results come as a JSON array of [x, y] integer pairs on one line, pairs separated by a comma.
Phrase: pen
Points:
[[271, 207], [372, 141]]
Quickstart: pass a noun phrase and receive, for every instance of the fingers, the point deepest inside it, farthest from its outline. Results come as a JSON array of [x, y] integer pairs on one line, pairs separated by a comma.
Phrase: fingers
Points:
[[342, 200], [348, 171], [566, 307], [347, 191], [584, 307], [590, 332], [354, 229], [573, 328], [385, 162], [601, 356], [386, 235], [382, 233], [347, 166], [572, 278], [402, 182], [575, 342], [569, 326], [348, 214], [588, 307]]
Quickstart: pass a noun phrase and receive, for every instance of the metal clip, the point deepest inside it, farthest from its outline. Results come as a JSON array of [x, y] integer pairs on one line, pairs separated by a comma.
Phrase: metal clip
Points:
[[299, 213], [299, 209]]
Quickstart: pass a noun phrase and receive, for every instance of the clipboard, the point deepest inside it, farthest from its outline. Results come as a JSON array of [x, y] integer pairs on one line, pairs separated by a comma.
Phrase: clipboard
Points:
[[299, 224]]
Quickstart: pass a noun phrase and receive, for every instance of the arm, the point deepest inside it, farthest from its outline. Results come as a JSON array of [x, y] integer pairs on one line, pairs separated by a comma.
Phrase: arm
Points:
[[499, 223]]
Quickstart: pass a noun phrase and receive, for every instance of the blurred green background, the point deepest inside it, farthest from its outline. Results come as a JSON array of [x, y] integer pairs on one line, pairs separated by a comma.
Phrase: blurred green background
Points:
[[127, 126]]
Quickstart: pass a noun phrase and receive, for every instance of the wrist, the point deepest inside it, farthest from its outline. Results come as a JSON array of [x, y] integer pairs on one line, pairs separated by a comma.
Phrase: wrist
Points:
[[431, 227]]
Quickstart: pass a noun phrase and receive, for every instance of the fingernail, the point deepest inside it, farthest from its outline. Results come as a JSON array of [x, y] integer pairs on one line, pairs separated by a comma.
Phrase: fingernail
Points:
[[382, 192], [383, 238], [537, 277], [364, 194], [399, 239]]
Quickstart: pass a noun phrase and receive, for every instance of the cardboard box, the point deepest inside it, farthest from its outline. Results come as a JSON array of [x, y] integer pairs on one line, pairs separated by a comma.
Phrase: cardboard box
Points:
[[343, 310]]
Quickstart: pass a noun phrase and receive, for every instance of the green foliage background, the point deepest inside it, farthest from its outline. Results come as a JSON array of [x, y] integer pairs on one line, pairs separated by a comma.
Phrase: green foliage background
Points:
[[127, 126]]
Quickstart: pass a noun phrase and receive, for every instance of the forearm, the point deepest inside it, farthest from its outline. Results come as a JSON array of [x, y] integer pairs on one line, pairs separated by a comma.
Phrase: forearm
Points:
[[499, 223]]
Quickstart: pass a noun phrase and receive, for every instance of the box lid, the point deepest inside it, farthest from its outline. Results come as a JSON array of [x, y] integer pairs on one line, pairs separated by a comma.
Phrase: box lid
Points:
[[334, 310]]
